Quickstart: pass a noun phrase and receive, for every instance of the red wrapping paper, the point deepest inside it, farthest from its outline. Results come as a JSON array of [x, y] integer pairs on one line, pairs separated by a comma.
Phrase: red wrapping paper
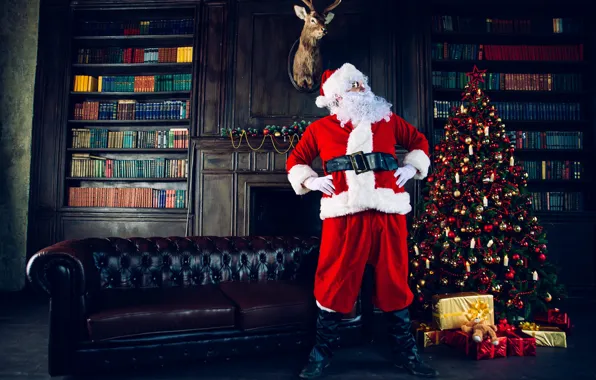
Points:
[[519, 343], [478, 351], [556, 318]]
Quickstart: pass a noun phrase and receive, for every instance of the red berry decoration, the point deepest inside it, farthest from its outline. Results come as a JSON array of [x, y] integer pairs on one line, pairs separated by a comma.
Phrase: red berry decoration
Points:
[[542, 258], [488, 228]]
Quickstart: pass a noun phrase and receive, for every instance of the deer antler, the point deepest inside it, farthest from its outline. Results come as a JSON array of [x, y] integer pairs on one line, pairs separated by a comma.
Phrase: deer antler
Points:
[[309, 5], [332, 6]]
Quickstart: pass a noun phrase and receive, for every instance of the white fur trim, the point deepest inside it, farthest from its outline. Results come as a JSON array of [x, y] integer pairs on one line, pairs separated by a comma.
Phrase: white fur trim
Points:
[[339, 82], [362, 194], [297, 175], [418, 159], [321, 101], [384, 200], [324, 308]]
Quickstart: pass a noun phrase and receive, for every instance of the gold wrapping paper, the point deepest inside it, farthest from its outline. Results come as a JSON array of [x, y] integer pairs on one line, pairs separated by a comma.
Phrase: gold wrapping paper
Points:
[[451, 311], [426, 336], [546, 336]]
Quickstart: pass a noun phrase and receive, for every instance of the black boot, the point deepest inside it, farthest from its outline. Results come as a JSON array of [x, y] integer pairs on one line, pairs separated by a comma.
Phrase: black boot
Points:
[[403, 344], [320, 355]]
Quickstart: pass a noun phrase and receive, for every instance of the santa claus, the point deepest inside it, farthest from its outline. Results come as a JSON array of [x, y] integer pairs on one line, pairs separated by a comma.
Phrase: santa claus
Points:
[[363, 208]]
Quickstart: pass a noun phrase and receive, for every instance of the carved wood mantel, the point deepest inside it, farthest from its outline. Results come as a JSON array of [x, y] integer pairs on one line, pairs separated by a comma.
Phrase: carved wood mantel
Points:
[[224, 177]]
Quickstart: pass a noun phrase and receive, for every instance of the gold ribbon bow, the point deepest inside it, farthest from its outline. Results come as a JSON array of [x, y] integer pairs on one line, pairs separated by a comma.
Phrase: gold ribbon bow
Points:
[[478, 310], [529, 326], [424, 327]]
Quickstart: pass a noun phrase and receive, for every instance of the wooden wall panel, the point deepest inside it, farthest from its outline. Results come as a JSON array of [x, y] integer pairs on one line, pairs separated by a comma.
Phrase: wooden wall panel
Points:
[[216, 204], [108, 225], [212, 68], [263, 93]]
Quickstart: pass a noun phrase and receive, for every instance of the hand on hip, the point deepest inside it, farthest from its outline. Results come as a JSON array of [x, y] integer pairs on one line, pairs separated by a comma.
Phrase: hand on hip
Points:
[[403, 174], [322, 184]]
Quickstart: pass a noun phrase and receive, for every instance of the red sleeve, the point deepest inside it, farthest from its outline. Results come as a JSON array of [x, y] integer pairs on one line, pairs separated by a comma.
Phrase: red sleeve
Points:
[[299, 161], [415, 143]]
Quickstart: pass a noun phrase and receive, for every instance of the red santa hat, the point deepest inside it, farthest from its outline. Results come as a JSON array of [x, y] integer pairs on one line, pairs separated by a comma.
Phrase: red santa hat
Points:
[[334, 83]]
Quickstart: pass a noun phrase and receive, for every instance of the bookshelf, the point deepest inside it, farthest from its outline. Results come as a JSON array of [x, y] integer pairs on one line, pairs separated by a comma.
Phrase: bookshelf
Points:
[[538, 76], [130, 111]]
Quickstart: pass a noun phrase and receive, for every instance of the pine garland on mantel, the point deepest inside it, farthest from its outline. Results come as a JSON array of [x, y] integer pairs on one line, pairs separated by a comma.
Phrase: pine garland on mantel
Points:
[[290, 134]]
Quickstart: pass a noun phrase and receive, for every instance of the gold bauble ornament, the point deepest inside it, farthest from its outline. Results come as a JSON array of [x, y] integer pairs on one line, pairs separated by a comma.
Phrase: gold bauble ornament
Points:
[[478, 165], [520, 218], [443, 224], [534, 219], [462, 212], [497, 259], [498, 156], [473, 260], [443, 187], [517, 228], [491, 114], [415, 264], [421, 282], [456, 210], [478, 217], [503, 226], [460, 283], [456, 193], [496, 288], [463, 229], [444, 259], [466, 160], [468, 140], [444, 281], [457, 239], [479, 132], [479, 209], [488, 259], [548, 297], [484, 104], [446, 245], [431, 257], [453, 263], [498, 203], [499, 120]]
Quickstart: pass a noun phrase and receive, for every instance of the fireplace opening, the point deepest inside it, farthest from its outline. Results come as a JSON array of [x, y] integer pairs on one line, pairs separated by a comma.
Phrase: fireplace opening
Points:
[[279, 211]]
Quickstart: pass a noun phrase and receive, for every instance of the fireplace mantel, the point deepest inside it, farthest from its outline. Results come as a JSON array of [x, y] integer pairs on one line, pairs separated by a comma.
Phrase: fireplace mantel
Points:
[[224, 178]]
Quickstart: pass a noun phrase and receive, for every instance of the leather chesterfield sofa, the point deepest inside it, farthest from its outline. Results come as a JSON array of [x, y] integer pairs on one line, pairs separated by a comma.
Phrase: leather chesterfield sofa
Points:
[[133, 303]]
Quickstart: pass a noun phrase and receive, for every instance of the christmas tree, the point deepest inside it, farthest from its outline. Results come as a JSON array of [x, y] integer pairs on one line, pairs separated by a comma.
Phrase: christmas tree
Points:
[[476, 231]]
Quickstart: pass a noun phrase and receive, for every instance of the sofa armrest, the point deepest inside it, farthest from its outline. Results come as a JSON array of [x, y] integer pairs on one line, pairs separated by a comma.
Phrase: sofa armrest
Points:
[[65, 261], [60, 271]]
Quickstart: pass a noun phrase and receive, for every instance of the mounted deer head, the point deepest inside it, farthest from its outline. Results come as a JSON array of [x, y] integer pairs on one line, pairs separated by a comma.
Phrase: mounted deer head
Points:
[[307, 67]]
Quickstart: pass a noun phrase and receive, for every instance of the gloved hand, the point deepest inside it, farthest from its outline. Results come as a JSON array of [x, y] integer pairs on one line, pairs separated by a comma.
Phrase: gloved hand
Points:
[[404, 173], [322, 184]]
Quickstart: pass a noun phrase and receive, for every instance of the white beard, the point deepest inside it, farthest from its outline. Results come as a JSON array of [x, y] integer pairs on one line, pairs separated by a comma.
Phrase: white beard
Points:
[[357, 107]]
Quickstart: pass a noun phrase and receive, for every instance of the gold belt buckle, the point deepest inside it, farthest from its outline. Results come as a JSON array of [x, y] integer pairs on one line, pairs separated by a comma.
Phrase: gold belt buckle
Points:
[[354, 161]]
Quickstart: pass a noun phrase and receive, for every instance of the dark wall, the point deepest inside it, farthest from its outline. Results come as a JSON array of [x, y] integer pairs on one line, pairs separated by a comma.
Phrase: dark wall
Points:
[[18, 60]]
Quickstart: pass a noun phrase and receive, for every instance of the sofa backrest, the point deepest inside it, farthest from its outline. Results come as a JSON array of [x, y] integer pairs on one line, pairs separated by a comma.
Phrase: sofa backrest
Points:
[[154, 262]]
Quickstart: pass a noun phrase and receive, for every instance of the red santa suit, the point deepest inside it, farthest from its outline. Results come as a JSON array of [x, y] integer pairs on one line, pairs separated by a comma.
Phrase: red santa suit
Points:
[[364, 220]]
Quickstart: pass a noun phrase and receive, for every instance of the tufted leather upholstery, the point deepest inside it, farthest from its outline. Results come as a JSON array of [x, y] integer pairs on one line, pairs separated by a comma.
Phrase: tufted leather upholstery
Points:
[[117, 291]]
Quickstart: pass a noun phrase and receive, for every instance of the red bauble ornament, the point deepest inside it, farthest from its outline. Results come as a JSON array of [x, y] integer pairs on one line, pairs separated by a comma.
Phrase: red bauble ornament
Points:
[[464, 169], [537, 249], [542, 257], [451, 234], [510, 274], [451, 219], [477, 231], [519, 304], [431, 179], [515, 256], [488, 228], [524, 243], [265, 131], [484, 279]]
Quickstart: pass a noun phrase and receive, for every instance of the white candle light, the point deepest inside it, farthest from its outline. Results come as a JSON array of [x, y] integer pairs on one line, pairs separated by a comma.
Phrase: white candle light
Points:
[[506, 261], [535, 276], [427, 264], [416, 250], [456, 177], [485, 201], [486, 131], [492, 177], [511, 161], [472, 243], [467, 267], [490, 243], [470, 150]]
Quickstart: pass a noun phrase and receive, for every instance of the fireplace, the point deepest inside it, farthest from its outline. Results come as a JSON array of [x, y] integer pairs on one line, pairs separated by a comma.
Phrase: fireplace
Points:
[[277, 211]]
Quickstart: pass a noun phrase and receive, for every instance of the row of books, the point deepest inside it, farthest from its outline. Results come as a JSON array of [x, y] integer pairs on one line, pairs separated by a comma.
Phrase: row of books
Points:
[[130, 197], [550, 169], [446, 23], [511, 81], [557, 201], [527, 111], [136, 27], [133, 83], [175, 138], [549, 140], [449, 51], [90, 166], [132, 110], [134, 55]]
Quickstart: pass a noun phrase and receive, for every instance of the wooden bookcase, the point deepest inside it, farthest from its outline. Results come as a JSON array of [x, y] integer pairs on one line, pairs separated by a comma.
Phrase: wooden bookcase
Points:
[[543, 85], [538, 76], [130, 110]]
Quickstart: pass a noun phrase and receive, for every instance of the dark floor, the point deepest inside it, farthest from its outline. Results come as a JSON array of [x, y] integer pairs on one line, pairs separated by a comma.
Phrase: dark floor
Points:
[[23, 354]]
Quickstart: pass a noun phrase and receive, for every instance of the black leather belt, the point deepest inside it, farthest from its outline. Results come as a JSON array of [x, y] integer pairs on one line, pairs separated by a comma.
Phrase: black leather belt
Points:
[[362, 162]]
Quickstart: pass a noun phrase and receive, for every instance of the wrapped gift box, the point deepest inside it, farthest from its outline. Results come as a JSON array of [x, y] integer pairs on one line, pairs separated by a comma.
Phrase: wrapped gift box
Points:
[[519, 343], [427, 336], [556, 318], [478, 351], [451, 311], [546, 336]]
